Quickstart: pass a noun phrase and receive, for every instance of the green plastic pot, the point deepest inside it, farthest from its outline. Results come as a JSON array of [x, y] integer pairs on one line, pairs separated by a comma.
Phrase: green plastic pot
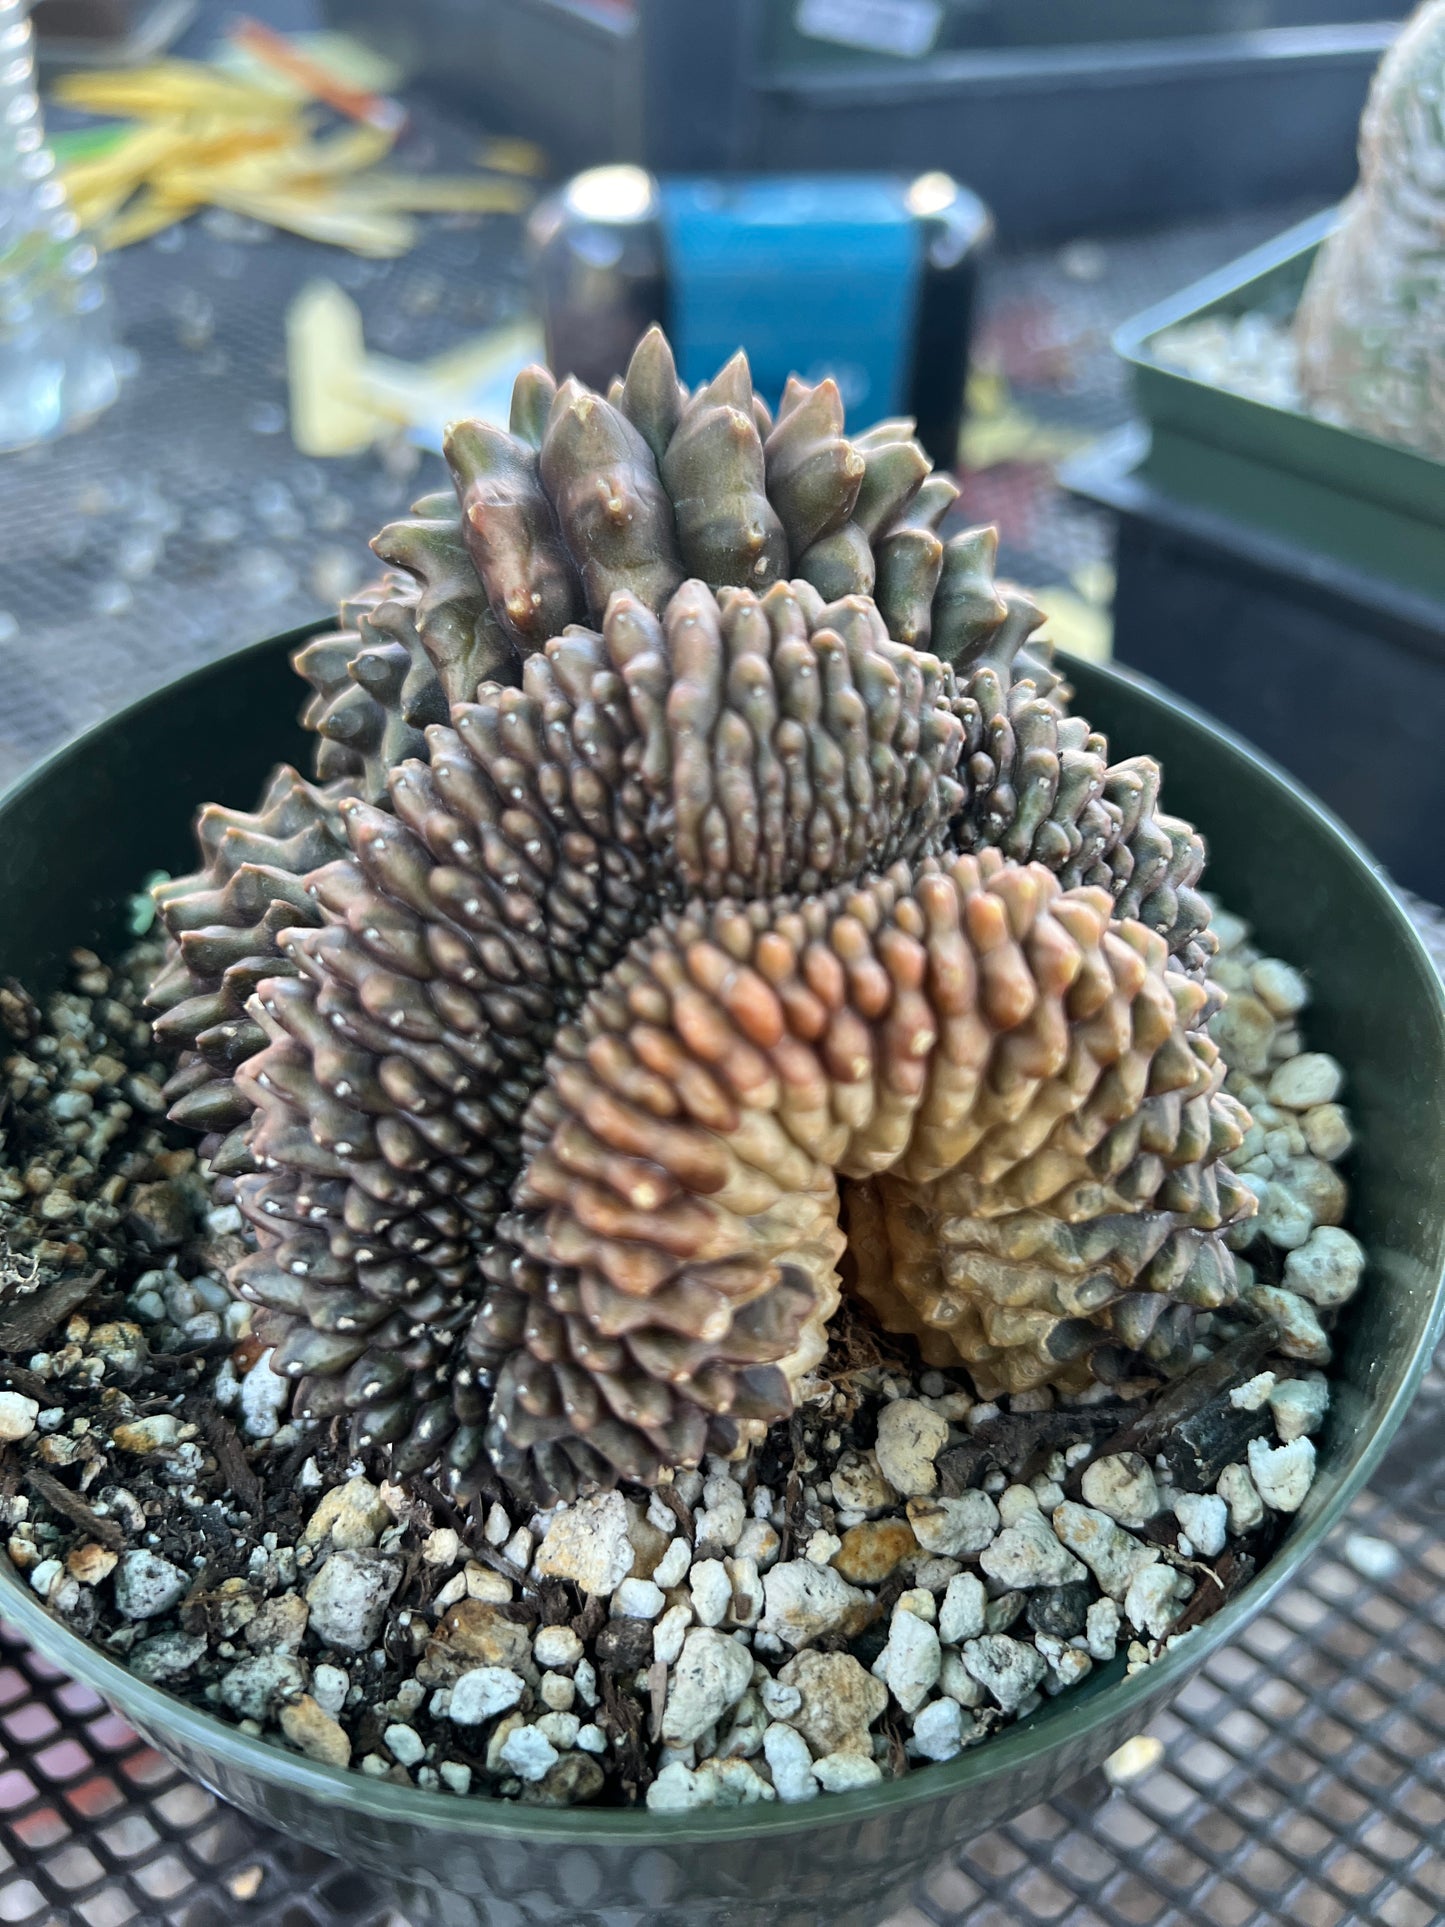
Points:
[[1348, 496], [80, 831]]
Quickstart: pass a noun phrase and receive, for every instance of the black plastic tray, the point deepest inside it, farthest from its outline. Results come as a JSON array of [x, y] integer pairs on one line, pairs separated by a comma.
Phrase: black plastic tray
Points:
[[1058, 139], [1338, 674]]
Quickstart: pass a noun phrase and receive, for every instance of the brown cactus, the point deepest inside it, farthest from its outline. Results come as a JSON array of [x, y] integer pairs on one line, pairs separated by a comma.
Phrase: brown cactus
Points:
[[547, 513], [708, 934]]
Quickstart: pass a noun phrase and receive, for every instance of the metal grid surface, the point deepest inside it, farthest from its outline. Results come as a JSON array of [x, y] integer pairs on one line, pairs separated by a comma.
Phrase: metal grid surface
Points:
[[1303, 1774], [1302, 1781]]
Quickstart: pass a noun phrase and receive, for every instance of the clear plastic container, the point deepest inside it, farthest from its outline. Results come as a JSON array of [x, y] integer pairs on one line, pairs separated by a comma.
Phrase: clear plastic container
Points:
[[57, 358]]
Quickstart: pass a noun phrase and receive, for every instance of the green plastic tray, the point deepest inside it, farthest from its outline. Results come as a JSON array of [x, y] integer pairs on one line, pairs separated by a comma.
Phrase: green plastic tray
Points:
[[1343, 494]]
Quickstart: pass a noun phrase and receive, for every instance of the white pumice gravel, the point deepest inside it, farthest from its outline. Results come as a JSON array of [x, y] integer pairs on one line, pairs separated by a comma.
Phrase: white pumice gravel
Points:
[[404, 1744], [255, 1688], [481, 1582], [18, 1415], [1204, 1520], [638, 1599], [1253, 1394], [669, 1633], [956, 1682], [1299, 1406], [671, 1569], [846, 1772], [1102, 1629], [711, 1591], [723, 1513], [909, 1663], [957, 1527], [1282, 1474], [675, 1790], [45, 1577], [168, 1656], [802, 1602], [910, 1438], [264, 1397], [528, 1752], [759, 1542], [938, 1730], [1302, 1082], [711, 1674], [1113, 1555], [779, 1701], [1280, 986], [1007, 1668], [556, 1646], [558, 1692], [349, 1597], [350, 1515], [859, 1485], [1237, 1489], [1155, 1598], [1015, 1502], [790, 1763], [1326, 1268], [560, 1729], [1302, 1336], [588, 1544], [961, 1615], [1123, 1486], [146, 1586], [482, 1693], [1027, 1554], [329, 1687]]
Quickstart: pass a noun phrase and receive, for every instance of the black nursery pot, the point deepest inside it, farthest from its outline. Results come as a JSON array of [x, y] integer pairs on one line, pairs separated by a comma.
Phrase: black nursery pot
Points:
[[77, 835]]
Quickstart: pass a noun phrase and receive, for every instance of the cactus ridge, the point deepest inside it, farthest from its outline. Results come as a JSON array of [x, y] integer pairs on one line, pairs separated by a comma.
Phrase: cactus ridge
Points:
[[554, 1038]]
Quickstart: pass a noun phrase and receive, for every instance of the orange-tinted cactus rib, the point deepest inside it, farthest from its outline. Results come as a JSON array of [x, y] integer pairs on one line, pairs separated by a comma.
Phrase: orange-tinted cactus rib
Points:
[[1016, 1083]]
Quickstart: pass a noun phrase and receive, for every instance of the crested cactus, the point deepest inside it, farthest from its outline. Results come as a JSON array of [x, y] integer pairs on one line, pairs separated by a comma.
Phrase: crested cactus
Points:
[[707, 905], [1371, 322]]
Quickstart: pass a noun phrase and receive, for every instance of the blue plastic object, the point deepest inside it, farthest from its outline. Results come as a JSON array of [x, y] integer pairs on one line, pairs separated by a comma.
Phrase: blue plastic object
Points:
[[815, 276]]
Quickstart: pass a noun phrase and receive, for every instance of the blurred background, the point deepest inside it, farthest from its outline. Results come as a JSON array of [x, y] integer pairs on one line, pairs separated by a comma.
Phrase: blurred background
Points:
[[250, 265], [355, 179], [272, 254]]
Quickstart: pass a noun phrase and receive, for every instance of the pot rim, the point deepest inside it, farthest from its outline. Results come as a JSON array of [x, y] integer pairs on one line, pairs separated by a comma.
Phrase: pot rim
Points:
[[1073, 1715]]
